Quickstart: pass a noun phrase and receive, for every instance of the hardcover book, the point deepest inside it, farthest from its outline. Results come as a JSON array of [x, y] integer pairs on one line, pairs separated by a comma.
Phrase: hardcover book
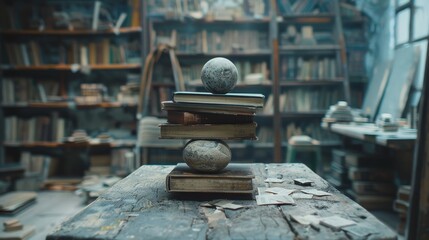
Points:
[[235, 178], [239, 99], [209, 131], [188, 118], [208, 108]]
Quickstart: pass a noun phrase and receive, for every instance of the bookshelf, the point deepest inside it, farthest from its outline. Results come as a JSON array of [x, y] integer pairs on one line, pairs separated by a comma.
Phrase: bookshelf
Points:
[[312, 68], [299, 52], [69, 66]]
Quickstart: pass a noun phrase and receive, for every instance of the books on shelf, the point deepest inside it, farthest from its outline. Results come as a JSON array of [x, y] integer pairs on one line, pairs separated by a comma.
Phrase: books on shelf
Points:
[[215, 42], [235, 178], [209, 131], [42, 128], [34, 164], [209, 10], [84, 53], [307, 99], [308, 68], [208, 108], [236, 99], [296, 7], [98, 15]]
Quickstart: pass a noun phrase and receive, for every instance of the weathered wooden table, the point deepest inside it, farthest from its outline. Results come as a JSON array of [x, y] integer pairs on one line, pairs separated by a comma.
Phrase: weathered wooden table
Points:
[[138, 207]]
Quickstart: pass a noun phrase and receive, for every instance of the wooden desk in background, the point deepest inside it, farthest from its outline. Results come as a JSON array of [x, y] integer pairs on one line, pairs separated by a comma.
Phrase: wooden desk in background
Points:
[[138, 207], [401, 139]]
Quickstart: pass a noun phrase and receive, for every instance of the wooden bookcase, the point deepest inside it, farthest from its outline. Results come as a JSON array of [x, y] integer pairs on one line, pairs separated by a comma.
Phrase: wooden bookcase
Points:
[[45, 59], [253, 40]]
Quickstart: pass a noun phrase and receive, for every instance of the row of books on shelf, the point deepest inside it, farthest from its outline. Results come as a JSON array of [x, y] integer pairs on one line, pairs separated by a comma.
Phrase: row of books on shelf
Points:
[[42, 128], [308, 68], [211, 41], [292, 7], [249, 72], [354, 36], [16, 90], [27, 90], [305, 35], [356, 62], [210, 10], [94, 15], [89, 53], [304, 100]]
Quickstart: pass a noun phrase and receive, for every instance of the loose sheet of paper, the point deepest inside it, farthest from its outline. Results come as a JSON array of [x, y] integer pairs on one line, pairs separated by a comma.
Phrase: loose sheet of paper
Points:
[[336, 222], [360, 230], [302, 181], [306, 220], [270, 199], [274, 180], [301, 195], [280, 191], [316, 192]]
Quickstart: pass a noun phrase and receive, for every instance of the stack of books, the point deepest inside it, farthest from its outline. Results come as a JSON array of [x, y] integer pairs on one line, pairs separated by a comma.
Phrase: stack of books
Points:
[[207, 116], [91, 93], [203, 115]]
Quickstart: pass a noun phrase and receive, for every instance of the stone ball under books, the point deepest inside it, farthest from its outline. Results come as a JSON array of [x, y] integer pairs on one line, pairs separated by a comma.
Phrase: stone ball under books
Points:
[[208, 156], [219, 75]]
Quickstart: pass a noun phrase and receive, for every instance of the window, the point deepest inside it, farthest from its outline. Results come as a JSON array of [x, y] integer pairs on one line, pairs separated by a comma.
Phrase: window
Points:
[[411, 21]]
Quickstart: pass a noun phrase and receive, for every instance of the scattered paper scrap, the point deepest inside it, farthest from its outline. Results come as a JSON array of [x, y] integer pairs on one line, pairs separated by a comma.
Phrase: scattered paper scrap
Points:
[[206, 205], [306, 220], [302, 182], [225, 204], [316, 192], [270, 199], [231, 206], [261, 191], [360, 230], [336, 222], [280, 191], [274, 180], [12, 225], [300, 195], [215, 217]]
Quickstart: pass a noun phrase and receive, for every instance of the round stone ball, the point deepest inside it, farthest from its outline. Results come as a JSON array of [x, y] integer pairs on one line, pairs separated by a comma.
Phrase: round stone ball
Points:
[[209, 156], [219, 75]]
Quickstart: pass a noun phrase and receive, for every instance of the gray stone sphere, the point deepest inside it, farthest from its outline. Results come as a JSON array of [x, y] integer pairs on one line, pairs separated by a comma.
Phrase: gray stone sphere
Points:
[[219, 75], [208, 156]]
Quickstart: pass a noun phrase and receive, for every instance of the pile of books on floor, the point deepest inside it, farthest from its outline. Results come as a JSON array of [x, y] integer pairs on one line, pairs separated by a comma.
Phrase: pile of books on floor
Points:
[[365, 178], [338, 174], [401, 206]]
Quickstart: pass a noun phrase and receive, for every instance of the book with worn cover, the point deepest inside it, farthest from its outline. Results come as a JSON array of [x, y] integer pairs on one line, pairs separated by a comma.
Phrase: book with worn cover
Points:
[[208, 108], [238, 99], [209, 131], [235, 178], [188, 118]]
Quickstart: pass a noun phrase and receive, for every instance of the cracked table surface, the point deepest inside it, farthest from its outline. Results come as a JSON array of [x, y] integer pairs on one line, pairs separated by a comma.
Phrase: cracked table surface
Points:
[[139, 207]]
